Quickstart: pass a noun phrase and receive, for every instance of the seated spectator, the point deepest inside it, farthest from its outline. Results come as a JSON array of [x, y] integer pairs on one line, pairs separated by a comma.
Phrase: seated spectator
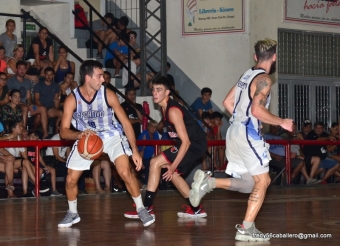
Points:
[[147, 152], [327, 163], [203, 103], [8, 39], [107, 81], [306, 128], [13, 110], [22, 84], [133, 40], [134, 115], [219, 151], [128, 81], [3, 65], [7, 167], [333, 150], [120, 51], [97, 166], [277, 153], [21, 160], [66, 87], [4, 99], [40, 53], [169, 76], [312, 163], [18, 55], [46, 94], [31, 153], [99, 28], [62, 66]]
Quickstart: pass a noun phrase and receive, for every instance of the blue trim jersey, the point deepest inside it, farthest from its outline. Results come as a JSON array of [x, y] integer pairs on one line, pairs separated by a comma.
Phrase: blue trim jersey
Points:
[[96, 115], [243, 102]]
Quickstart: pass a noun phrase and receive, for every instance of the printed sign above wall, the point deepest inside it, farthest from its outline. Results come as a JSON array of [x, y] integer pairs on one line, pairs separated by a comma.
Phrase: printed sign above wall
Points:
[[324, 12], [212, 16]]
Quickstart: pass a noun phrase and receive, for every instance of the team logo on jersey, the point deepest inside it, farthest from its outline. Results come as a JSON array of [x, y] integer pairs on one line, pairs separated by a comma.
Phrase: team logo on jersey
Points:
[[79, 102], [173, 134], [174, 149]]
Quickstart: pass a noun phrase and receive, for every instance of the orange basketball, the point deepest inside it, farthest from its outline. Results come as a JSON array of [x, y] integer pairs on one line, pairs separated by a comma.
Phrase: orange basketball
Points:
[[90, 147]]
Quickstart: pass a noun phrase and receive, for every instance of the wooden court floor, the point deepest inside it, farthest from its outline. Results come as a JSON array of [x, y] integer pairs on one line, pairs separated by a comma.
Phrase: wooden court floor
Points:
[[296, 209]]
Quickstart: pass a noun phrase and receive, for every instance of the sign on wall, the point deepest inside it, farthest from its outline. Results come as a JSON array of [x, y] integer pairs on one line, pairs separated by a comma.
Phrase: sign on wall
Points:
[[326, 12], [212, 16]]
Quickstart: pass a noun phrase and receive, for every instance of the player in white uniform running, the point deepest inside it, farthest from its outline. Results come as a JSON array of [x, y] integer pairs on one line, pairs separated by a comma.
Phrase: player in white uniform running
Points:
[[246, 150], [91, 107]]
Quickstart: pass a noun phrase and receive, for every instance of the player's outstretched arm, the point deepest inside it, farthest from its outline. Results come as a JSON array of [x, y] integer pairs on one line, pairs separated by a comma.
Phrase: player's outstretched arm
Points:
[[65, 131], [114, 103], [228, 102], [260, 89]]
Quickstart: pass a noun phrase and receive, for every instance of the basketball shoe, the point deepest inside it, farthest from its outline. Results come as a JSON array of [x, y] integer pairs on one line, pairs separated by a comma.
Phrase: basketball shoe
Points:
[[69, 220], [200, 187], [145, 217], [189, 213], [134, 214], [249, 235]]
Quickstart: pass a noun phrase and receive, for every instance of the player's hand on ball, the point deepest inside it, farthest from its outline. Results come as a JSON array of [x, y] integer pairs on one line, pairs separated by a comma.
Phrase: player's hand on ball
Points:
[[87, 133]]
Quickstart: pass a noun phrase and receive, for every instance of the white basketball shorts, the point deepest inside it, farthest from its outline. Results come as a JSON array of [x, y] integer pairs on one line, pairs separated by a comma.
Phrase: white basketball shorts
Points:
[[246, 151], [113, 146]]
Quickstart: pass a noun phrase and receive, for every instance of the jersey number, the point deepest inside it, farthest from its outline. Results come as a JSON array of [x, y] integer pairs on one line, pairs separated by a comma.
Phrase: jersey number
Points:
[[92, 124]]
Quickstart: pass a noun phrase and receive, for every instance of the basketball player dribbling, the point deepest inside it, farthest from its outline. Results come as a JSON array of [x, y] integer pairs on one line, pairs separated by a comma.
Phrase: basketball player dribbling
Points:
[[246, 151], [90, 108]]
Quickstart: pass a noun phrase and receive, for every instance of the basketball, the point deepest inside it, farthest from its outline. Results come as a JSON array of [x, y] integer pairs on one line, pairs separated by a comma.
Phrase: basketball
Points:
[[90, 147]]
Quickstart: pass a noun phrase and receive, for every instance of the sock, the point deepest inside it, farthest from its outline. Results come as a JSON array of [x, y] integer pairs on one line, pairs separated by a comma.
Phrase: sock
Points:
[[72, 206], [195, 209], [247, 225], [212, 183], [148, 199], [138, 201]]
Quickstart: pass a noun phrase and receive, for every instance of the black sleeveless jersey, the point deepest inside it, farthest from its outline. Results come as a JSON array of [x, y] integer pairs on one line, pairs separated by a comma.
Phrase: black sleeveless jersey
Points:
[[195, 132]]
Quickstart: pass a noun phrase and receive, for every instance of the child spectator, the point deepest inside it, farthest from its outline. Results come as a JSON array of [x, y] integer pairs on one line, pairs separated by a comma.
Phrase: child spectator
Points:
[[34, 135], [3, 65], [147, 152], [219, 151], [203, 103]]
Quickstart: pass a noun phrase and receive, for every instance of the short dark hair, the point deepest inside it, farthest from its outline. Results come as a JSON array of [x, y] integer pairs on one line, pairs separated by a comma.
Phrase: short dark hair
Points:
[[206, 90], [205, 115], [108, 73], [136, 56], [319, 123], [14, 91], [168, 64], [216, 114], [162, 81], [19, 63], [69, 72], [2, 48], [49, 69], [3, 73], [133, 32], [12, 125], [334, 124], [42, 29], [127, 90], [87, 69], [124, 21], [109, 15], [62, 47], [35, 132]]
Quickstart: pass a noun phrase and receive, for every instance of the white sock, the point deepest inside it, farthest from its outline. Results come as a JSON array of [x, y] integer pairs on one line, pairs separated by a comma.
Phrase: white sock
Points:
[[247, 225], [72, 206], [138, 201]]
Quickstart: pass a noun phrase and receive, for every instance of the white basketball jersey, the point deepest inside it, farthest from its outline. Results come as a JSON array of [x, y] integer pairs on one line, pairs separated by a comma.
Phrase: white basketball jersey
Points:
[[243, 101], [96, 115]]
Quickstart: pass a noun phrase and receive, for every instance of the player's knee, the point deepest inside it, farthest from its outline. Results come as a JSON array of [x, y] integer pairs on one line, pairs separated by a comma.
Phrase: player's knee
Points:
[[125, 174], [71, 182]]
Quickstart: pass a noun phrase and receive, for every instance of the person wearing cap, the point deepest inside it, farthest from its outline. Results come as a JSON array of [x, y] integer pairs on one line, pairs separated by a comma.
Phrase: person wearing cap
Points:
[[327, 163], [306, 128]]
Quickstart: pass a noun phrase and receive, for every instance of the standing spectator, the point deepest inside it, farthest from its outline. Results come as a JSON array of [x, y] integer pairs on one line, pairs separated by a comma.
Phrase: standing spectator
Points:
[[40, 53], [327, 163], [219, 152], [8, 39], [46, 94], [62, 66], [203, 103], [120, 50], [3, 65], [22, 84], [147, 152], [135, 117]]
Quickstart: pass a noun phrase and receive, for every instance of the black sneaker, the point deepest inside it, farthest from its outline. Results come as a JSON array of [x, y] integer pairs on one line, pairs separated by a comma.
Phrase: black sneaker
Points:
[[28, 194], [43, 188], [116, 189]]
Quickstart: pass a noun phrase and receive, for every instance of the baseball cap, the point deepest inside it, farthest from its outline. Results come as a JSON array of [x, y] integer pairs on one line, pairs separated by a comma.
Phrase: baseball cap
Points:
[[307, 123]]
